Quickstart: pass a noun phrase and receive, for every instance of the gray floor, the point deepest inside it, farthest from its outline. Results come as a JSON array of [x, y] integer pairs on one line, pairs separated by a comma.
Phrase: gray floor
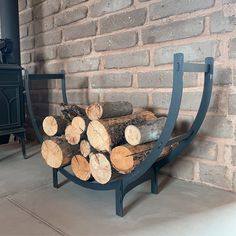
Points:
[[30, 206]]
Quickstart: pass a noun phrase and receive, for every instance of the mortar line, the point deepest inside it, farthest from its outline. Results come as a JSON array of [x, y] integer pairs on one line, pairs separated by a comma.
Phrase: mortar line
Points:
[[35, 216]]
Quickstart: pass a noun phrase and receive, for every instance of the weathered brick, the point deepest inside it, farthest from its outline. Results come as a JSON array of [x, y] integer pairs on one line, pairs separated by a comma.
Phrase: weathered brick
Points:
[[84, 64], [80, 31], [222, 76], [234, 181], [163, 79], [25, 58], [70, 3], [124, 20], [49, 67], [82, 97], [167, 8], [47, 8], [213, 174], [44, 54], [233, 154], [126, 60], [25, 17], [31, 3], [31, 29], [232, 104], [192, 52], [232, 48], [27, 43], [43, 25], [69, 16], [217, 126], [234, 76], [173, 31], [229, 1], [220, 23], [103, 7], [116, 41], [111, 80], [182, 169], [190, 101], [48, 38], [23, 31], [203, 149], [75, 49], [22, 4], [77, 82], [135, 98]]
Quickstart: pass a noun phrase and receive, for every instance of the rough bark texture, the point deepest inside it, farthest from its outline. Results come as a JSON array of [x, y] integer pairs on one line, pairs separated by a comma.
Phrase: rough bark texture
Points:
[[71, 111], [54, 125], [80, 167], [107, 133], [98, 111], [144, 133], [126, 157], [57, 152]]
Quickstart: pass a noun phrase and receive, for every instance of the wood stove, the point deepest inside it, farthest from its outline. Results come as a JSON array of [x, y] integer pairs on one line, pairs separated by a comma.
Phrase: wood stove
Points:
[[11, 84]]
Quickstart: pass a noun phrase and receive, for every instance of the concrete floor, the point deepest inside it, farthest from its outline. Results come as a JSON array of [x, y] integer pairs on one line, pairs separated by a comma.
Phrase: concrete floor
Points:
[[30, 206]]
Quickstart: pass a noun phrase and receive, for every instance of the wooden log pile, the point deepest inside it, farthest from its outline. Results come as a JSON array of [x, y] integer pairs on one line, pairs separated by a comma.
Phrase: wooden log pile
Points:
[[103, 141]]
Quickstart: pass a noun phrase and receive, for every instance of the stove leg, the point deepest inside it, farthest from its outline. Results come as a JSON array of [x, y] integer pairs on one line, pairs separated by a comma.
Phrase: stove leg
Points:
[[55, 178], [154, 181], [22, 141]]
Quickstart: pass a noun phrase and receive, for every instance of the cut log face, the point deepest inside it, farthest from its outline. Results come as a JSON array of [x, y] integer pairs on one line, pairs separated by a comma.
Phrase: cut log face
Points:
[[80, 123], [126, 157], [144, 133], [85, 148], [80, 167], [58, 152], [72, 135], [54, 125], [107, 133], [98, 111], [100, 167]]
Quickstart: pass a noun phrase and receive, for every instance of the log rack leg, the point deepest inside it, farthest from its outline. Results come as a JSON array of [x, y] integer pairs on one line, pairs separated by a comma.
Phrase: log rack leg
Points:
[[154, 180], [55, 178], [119, 200]]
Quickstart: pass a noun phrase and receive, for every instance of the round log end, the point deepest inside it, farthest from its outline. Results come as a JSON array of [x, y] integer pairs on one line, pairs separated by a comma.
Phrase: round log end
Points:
[[72, 135], [98, 136], [100, 168], [132, 135], [52, 153], [80, 167], [79, 123], [85, 148], [50, 126], [94, 111], [122, 159]]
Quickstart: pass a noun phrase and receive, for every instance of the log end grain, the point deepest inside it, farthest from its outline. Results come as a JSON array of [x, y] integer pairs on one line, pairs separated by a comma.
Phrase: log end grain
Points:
[[79, 123], [80, 167], [72, 135], [50, 126], [94, 111], [132, 135], [100, 168], [85, 148], [98, 136]]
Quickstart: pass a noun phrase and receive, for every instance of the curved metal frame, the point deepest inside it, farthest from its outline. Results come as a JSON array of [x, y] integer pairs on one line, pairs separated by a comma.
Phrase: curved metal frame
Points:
[[30, 77], [150, 167]]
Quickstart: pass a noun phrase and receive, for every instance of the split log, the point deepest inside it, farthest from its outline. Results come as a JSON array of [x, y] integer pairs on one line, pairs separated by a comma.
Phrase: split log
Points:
[[85, 148], [104, 110], [80, 123], [107, 133], [57, 152], [144, 133], [126, 157], [54, 125], [80, 167], [72, 110], [72, 135], [101, 168]]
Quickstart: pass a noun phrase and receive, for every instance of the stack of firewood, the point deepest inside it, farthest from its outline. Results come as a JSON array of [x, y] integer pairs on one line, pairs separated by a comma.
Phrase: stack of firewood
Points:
[[102, 141]]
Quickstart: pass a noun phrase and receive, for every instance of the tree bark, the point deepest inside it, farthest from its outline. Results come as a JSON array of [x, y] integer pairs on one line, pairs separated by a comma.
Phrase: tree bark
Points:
[[126, 157], [57, 152], [144, 133], [71, 111], [54, 125], [98, 111], [107, 133], [80, 167]]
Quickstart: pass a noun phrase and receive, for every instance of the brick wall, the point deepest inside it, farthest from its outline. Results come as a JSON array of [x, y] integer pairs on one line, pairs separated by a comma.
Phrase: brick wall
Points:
[[122, 50]]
